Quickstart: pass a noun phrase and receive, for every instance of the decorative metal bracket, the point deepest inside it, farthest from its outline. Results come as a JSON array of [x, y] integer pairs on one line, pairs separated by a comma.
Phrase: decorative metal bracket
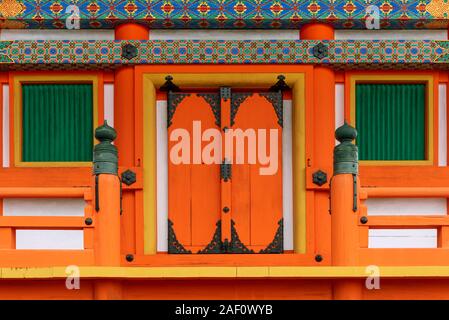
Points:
[[129, 51], [128, 177], [319, 177], [275, 98], [173, 100], [320, 51], [174, 246], [218, 246], [225, 93], [236, 100], [226, 170], [213, 99]]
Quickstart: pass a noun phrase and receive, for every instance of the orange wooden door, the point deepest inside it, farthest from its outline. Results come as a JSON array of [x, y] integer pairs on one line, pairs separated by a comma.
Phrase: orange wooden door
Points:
[[233, 207], [257, 178], [193, 186]]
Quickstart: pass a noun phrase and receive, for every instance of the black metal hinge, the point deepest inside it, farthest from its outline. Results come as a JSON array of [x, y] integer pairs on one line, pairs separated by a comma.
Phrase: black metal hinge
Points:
[[225, 170]]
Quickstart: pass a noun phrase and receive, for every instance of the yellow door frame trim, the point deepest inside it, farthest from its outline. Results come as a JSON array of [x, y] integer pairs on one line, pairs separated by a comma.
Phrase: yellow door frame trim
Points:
[[429, 81], [152, 81], [18, 80]]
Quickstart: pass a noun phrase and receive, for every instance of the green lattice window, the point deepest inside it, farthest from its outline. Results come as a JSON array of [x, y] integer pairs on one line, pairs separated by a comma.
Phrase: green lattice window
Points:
[[57, 122], [391, 121]]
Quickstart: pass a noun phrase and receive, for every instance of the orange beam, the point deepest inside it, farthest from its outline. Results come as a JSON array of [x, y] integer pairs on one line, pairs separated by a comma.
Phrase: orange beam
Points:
[[407, 192], [407, 221], [44, 222], [43, 192]]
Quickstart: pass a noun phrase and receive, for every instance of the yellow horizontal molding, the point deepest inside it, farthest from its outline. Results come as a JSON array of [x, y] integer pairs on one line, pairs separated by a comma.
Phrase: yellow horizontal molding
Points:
[[225, 272]]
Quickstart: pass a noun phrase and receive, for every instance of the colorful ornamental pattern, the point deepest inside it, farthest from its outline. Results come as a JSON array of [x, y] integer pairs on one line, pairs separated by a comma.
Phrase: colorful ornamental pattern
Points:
[[109, 54], [223, 13]]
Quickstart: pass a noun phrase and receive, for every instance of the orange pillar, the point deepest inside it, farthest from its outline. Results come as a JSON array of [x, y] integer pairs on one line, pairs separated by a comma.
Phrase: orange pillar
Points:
[[124, 116], [107, 210], [124, 96], [323, 133], [323, 98], [344, 208]]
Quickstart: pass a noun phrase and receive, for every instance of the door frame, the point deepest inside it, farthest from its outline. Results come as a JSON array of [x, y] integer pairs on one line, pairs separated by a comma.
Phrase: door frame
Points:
[[148, 78]]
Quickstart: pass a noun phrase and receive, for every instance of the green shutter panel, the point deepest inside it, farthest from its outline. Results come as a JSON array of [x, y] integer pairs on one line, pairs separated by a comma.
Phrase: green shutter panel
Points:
[[57, 122], [391, 121]]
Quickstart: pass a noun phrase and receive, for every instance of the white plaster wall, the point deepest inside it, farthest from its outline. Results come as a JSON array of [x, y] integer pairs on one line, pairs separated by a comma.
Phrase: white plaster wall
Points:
[[33, 207], [49, 239], [162, 175], [287, 175], [402, 238], [406, 206], [224, 34], [109, 103], [339, 106], [19, 34], [391, 35]]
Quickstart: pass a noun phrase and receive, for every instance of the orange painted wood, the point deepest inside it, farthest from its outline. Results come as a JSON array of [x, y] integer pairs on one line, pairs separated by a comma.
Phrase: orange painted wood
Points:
[[193, 189], [45, 258], [407, 221], [401, 176], [411, 192], [286, 259], [45, 222], [404, 257], [345, 232], [226, 186], [264, 192], [24, 192], [317, 31], [322, 218], [7, 238], [443, 237], [107, 230]]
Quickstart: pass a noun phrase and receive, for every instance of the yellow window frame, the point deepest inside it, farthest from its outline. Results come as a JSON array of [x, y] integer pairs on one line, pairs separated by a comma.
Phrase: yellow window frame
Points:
[[426, 79], [18, 80]]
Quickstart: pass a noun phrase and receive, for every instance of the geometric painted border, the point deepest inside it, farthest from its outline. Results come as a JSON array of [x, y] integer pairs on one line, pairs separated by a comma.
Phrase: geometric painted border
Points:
[[108, 54], [206, 14]]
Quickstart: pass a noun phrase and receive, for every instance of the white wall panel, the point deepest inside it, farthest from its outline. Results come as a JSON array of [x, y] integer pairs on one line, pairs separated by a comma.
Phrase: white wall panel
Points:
[[224, 34], [19, 34], [406, 206], [43, 207], [50, 239], [402, 238], [109, 103], [162, 176], [339, 106], [287, 175], [391, 34]]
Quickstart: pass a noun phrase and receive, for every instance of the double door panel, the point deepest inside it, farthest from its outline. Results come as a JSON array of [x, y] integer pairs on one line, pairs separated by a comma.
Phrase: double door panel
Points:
[[225, 172]]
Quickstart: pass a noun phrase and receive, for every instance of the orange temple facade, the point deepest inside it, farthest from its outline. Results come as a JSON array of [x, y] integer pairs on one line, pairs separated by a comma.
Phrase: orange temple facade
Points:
[[325, 222]]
